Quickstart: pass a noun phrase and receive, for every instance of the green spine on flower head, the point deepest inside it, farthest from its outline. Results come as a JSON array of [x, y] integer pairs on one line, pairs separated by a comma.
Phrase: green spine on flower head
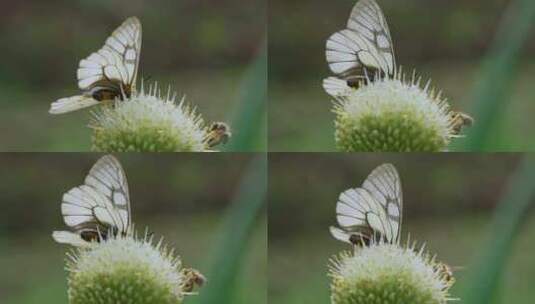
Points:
[[125, 270], [387, 274], [148, 123], [392, 115]]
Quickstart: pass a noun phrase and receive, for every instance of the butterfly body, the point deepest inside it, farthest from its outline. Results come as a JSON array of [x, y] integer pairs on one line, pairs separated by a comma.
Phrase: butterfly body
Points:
[[108, 90], [108, 74], [94, 235], [356, 82]]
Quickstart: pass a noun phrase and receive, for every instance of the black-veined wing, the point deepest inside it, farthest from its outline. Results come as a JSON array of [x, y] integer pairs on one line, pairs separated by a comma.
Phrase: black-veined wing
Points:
[[385, 186], [98, 207], [372, 211], [110, 72], [116, 61], [363, 48]]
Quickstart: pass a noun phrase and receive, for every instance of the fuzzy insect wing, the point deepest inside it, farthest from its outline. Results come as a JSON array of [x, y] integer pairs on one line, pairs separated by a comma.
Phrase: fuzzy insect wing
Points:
[[101, 204], [117, 60], [364, 47]]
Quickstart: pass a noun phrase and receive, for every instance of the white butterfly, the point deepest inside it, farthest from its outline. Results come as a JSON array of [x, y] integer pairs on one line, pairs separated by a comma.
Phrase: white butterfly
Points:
[[98, 207], [109, 73], [372, 212], [361, 50]]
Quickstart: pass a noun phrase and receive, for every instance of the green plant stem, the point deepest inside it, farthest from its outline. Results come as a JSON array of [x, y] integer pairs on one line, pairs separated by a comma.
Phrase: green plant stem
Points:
[[496, 76], [249, 122], [483, 278], [239, 221]]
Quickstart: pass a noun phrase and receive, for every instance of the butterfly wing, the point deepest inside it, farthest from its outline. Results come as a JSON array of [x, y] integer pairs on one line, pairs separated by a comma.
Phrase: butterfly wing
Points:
[[359, 214], [385, 187], [108, 178], [116, 61], [371, 212], [349, 237], [336, 87], [69, 104], [70, 238], [368, 20], [98, 205], [113, 67], [364, 45]]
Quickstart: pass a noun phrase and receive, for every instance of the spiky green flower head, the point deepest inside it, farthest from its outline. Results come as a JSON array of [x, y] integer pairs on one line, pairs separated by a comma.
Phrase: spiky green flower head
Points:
[[394, 114], [125, 269], [148, 122], [388, 274]]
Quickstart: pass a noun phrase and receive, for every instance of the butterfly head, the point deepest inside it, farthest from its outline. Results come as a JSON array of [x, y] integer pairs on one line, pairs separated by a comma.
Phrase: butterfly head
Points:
[[109, 91], [96, 234], [356, 81], [359, 240], [90, 235]]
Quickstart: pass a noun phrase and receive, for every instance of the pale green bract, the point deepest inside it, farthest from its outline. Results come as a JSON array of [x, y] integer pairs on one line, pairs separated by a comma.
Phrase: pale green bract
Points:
[[393, 115], [148, 122], [125, 270], [387, 273]]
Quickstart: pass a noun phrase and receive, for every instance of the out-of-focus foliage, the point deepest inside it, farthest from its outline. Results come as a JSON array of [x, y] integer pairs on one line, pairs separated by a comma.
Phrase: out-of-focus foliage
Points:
[[498, 72], [250, 120], [444, 41], [200, 49], [181, 197], [237, 226], [483, 285], [448, 204]]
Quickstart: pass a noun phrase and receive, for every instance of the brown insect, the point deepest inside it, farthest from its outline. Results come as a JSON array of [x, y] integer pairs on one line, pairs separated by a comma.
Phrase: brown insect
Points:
[[445, 272], [459, 120], [192, 278], [218, 133]]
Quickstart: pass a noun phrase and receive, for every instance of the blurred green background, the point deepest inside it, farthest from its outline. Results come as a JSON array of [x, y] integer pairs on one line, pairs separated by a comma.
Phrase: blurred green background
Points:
[[202, 49], [445, 41], [182, 197], [449, 201]]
